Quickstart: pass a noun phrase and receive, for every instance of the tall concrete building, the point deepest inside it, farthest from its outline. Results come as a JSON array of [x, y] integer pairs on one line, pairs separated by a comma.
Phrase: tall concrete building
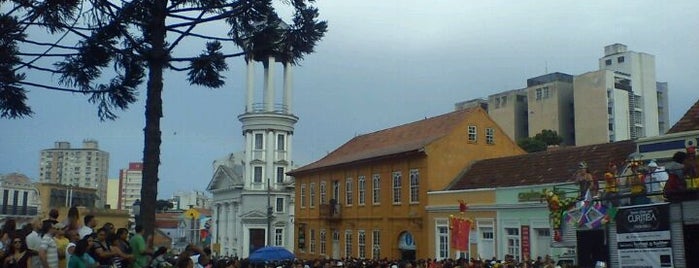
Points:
[[113, 193], [550, 105], [130, 181], [509, 110], [620, 101], [253, 201], [86, 167]]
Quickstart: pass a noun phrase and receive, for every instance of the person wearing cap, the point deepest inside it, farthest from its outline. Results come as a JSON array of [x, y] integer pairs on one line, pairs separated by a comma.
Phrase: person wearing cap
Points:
[[657, 176], [61, 244], [48, 251]]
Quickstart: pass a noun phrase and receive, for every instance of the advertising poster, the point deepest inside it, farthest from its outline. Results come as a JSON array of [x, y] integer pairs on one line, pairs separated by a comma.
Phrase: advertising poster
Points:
[[643, 236]]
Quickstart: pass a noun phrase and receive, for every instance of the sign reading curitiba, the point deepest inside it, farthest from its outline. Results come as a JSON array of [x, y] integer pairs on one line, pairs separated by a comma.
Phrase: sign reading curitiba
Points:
[[643, 236]]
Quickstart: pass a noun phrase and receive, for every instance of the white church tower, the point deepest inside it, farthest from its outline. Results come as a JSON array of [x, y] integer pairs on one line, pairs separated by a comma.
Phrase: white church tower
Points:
[[253, 201]]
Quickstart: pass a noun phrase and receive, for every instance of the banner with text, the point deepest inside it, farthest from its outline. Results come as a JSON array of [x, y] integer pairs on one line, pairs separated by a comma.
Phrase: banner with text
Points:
[[643, 236]]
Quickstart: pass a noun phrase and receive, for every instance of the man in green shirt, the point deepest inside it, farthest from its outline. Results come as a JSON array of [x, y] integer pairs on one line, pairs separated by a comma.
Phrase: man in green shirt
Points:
[[139, 249]]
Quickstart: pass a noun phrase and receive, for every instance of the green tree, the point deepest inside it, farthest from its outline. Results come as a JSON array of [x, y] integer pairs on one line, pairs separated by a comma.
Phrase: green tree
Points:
[[540, 141], [137, 40]]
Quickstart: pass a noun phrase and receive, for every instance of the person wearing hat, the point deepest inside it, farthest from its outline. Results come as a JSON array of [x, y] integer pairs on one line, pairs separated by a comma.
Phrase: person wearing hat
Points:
[[657, 176]]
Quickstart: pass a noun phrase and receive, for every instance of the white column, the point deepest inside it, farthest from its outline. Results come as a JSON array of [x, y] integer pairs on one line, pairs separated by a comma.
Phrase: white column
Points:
[[226, 238], [269, 158], [215, 228], [287, 87], [290, 160], [249, 83], [249, 143], [269, 85]]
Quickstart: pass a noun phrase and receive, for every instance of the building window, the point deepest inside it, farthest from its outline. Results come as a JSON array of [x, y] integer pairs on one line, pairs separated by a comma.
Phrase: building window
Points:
[[539, 94], [361, 243], [397, 185], [312, 195], [620, 59], [312, 242], [608, 62], [361, 185], [376, 244], [512, 242], [348, 244], [490, 135], [279, 205], [336, 190], [414, 186], [472, 133], [281, 145], [348, 192], [442, 240], [303, 195], [323, 242], [376, 189], [323, 193], [259, 141], [280, 175], [546, 93], [279, 237], [257, 174]]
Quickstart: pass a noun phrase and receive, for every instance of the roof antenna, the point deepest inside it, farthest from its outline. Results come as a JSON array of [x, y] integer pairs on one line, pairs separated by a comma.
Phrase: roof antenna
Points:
[[546, 67]]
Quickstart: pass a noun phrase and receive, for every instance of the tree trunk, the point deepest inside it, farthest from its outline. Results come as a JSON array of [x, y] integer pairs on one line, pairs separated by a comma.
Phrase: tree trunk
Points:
[[154, 111]]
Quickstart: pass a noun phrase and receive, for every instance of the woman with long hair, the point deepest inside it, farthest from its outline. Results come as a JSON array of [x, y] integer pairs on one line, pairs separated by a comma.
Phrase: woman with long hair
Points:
[[101, 250], [120, 259], [18, 255], [77, 259]]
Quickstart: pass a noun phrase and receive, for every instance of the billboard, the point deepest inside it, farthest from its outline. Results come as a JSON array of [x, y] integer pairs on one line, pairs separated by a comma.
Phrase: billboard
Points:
[[643, 236]]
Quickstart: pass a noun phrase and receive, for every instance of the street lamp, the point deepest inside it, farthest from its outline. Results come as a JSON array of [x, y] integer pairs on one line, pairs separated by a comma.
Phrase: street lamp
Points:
[[136, 209]]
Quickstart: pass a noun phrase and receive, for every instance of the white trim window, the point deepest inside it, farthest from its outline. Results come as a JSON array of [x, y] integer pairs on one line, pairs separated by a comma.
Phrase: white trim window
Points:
[[442, 239], [312, 241], [323, 242], [490, 135], [312, 195], [349, 196], [323, 193], [279, 205], [281, 142], [472, 133], [376, 244], [361, 244], [361, 188], [259, 141], [397, 187], [302, 195], [280, 175], [512, 242], [279, 237], [376, 189], [348, 243], [414, 186], [257, 174]]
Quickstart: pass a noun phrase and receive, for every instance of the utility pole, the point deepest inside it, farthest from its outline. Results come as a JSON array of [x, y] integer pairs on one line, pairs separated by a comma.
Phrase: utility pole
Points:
[[269, 213]]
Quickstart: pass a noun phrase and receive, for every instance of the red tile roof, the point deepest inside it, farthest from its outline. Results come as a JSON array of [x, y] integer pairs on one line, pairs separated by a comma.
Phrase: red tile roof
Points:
[[542, 167], [391, 141], [690, 120]]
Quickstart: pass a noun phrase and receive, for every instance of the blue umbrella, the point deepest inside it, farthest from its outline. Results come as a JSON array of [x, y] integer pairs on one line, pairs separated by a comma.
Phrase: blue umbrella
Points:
[[271, 254]]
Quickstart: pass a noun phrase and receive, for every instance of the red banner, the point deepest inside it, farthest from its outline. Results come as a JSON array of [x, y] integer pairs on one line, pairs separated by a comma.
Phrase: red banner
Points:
[[460, 229], [526, 244]]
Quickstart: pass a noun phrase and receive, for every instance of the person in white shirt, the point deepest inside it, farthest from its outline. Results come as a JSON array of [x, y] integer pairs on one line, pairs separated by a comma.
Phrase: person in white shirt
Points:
[[88, 227], [48, 251], [655, 181]]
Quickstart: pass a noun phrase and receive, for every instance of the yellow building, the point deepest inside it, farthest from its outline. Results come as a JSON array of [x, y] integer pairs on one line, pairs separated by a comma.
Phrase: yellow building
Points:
[[367, 198], [62, 197]]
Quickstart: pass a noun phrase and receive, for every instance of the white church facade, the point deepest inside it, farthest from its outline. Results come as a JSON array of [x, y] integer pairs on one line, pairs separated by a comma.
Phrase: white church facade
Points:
[[253, 198]]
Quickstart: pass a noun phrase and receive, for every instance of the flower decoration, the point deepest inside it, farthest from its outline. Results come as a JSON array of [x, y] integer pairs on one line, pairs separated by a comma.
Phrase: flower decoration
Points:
[[557, 204]]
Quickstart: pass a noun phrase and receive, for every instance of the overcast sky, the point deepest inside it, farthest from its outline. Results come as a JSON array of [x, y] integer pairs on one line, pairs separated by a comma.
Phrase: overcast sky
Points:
[[381, 64]]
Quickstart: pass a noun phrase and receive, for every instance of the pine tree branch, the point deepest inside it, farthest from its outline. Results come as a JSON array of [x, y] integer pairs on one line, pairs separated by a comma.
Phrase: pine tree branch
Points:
[[64, 89], [186, 32], [24, 40], [172, 9], [47, 54], [39, 68], [207, 37], [225, 56], [202, 21]]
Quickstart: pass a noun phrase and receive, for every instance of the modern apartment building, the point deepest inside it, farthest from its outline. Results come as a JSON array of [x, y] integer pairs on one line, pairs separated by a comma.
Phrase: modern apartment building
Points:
[[620, 101], [86, 167], [130, 181], [192, 199]]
